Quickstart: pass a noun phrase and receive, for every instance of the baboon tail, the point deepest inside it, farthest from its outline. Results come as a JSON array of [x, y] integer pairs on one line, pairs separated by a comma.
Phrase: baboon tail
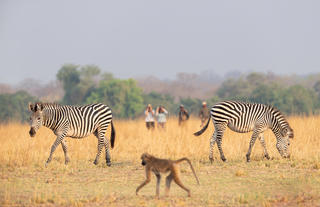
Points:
[[194, 172], [203, 129], [113, 135]]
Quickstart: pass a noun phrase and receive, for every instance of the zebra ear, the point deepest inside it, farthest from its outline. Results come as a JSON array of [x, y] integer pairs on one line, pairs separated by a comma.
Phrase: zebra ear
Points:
[[38, 107], [284, 132], [31, 106]]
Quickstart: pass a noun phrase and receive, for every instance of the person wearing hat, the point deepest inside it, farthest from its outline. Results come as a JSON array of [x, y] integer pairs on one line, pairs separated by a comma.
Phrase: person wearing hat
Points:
[[204, 113], [183, 115], [149, 112]]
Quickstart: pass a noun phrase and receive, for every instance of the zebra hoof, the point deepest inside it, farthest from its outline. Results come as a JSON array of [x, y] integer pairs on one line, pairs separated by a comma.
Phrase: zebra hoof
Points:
[[267, 156], [211, 160], [95, 162], [108, 164], [223, 159], [248, 158]]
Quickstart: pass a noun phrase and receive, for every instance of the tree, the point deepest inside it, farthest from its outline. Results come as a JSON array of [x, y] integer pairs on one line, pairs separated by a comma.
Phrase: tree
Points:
[[299, 100], [123, 96], [15, 106], [156, 99], [268, 94], [234, 89], [69, 76], [78, 83], [193, 105]]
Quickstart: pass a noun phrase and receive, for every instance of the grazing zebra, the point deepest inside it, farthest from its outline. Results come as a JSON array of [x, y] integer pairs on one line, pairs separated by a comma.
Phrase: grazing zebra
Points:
[[246, 117], [74, 122]]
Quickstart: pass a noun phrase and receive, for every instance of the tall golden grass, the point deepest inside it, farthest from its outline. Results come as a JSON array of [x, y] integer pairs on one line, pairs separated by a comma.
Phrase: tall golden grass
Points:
[[132, 139]]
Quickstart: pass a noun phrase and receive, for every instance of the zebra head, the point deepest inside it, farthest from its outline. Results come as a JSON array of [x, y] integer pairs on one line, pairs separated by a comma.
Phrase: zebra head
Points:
[[283, 141], [36, 118]]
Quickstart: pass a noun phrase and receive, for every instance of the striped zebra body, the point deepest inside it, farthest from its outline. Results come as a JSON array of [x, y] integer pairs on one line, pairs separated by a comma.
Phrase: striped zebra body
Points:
[[75, 122], [246, 117]]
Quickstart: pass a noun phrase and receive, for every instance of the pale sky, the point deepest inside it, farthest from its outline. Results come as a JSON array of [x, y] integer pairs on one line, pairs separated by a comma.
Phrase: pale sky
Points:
[[134, 38]]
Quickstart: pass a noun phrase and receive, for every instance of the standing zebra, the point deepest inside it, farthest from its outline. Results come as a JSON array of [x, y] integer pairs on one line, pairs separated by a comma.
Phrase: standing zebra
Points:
[[74, 122], [246, 117]]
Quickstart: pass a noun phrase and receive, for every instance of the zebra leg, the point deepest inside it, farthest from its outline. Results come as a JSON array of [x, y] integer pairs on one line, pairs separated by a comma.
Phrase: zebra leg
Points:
[[108, 158], [261, 138], [219, 129], [100, 145], [53, 148], [65, 150], [100, 134], [212, 142], [252, 141]]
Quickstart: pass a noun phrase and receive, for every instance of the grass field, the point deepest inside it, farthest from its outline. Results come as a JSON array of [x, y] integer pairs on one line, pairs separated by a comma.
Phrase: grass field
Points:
[[24, 181]]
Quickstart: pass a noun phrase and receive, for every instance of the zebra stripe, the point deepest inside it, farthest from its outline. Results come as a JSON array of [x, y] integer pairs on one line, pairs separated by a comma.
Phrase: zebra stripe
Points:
[[75, 122], [244, 117]]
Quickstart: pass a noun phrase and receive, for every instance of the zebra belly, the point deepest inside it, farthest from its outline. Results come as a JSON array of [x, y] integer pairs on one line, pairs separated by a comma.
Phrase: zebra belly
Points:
[[77, 134], [241, 129]]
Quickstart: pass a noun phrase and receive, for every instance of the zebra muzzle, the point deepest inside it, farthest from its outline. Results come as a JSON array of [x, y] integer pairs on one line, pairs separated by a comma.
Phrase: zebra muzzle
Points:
[[32, 132]]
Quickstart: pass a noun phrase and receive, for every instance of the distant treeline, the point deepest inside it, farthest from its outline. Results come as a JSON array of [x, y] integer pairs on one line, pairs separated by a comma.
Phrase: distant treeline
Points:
[[86, 84]]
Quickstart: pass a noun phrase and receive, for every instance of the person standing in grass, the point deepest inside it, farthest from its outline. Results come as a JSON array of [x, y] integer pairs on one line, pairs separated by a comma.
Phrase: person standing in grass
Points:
[[161, 113], [183, 115], [149, 112], [203, 114]]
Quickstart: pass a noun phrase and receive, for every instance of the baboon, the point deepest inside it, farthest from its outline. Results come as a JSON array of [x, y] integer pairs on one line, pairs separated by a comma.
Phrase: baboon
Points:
[[158, 166]]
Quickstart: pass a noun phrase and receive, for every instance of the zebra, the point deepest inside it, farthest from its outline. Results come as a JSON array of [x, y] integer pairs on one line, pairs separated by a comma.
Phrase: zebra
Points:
[[75, 122], [245, 117]]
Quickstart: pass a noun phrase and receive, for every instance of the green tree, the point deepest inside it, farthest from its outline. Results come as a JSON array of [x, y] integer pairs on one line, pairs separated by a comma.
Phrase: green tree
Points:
[[193, 105], [69, 76], [14, 107], [268, 94], [156, 99], [123, 96], [78, 82], [234, 89], [299, 100]]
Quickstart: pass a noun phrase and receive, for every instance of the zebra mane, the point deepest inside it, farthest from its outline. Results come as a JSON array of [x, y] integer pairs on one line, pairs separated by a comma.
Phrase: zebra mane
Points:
[[44, 104], [280, 117]]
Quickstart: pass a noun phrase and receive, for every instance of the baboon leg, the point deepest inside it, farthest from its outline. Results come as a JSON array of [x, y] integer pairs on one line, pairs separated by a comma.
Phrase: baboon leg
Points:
[[158, 185], [212, 142], [148, 179], [252, 141], [65, 150], [266, 154], [219, 129], [178, 181], [168, 183]]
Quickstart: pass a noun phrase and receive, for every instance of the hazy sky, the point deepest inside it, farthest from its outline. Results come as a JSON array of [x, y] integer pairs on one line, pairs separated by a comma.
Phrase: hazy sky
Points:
[[133, 38]]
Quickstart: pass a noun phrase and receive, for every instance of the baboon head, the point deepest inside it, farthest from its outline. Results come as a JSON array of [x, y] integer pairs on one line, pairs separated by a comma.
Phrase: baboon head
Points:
[[145, 157], [36, 118]]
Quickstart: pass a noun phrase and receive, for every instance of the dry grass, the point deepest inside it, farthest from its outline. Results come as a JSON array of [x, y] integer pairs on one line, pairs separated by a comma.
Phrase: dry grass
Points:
[[25, 181]]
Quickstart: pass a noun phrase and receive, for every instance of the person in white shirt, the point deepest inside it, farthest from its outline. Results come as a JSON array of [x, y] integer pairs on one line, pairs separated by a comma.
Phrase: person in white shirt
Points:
[[161, 113], [149, 112]]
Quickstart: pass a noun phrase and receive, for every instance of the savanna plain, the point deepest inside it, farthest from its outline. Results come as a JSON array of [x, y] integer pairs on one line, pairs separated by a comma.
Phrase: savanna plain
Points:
[[25, 181]]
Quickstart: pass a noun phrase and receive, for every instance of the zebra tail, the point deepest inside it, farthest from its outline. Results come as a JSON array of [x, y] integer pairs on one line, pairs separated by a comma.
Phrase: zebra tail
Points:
[[113, 135], [203, 129]]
